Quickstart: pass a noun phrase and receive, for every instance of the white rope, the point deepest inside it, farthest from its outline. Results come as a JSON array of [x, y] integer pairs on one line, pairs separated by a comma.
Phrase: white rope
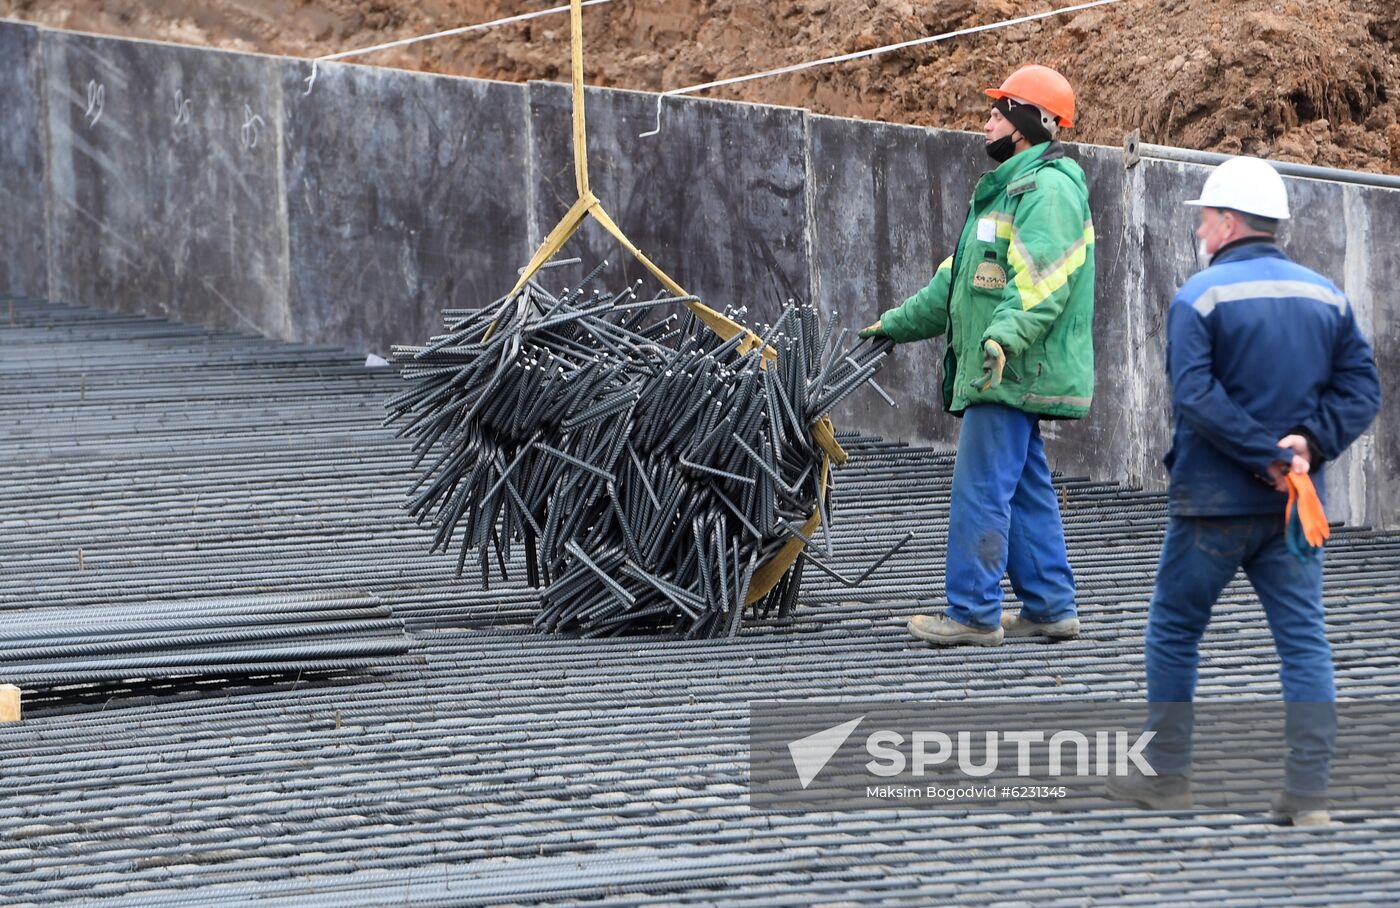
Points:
[[404, 42], [859, 55], [451, 32]]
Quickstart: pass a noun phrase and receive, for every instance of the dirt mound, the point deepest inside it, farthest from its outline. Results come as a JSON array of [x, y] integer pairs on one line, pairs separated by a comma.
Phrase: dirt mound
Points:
[[1315, 81]]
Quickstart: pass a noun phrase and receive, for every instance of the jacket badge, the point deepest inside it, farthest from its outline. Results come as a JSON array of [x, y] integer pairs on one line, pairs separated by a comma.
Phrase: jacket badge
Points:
[[989, 276]]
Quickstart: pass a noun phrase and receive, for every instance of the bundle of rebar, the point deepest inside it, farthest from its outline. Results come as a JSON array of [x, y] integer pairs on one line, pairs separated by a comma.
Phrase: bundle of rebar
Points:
[[647, 467], [46, 647]]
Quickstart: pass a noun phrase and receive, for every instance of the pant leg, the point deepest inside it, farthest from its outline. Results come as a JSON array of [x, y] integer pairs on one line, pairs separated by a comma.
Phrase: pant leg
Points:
[[1291, 593], [1199, 557], [1036, 559], [991, 454]]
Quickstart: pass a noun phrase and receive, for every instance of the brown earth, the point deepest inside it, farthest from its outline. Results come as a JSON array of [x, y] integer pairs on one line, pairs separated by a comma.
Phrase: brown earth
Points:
[[1316, 81]]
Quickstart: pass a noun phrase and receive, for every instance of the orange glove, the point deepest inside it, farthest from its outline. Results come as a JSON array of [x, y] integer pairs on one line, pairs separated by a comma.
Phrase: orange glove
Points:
[[1305, 508]]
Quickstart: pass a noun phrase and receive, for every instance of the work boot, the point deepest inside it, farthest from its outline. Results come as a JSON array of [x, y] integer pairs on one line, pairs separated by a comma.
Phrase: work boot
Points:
[[941, 630], [1302, 810], [1166, 791], [1016, 626]]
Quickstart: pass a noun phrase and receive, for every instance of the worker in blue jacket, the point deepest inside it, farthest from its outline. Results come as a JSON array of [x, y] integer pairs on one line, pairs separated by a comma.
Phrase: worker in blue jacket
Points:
[[1269, 373]]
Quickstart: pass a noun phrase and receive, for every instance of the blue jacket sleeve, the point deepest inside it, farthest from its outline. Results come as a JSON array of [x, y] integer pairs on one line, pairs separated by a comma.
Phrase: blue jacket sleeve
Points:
[[1203, 402], [1352, 398]]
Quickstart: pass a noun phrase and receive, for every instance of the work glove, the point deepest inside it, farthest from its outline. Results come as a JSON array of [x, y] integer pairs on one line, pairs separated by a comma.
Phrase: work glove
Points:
[[993, 362], [1305, 523], [875, 330]]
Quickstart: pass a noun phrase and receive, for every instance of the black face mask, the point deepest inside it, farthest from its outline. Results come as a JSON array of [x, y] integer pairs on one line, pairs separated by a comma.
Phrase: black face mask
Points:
[[1026, 119], [1002, 149]]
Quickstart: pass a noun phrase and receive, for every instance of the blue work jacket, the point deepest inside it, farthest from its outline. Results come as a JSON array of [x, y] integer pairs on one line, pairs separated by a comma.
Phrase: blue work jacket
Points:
[[1259, 347]]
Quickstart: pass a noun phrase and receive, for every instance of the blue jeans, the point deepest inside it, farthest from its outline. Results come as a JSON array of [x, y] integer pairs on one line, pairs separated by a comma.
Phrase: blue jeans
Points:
[[1200, 555], [1004, 519]]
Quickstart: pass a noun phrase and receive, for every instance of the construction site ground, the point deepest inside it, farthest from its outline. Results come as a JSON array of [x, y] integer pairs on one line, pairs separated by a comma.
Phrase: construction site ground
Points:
[[149, 461], [1313, 82]]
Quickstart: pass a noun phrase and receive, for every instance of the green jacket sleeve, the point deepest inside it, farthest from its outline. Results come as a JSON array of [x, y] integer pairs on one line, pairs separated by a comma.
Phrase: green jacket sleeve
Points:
[[1052, 238], [925, 314]]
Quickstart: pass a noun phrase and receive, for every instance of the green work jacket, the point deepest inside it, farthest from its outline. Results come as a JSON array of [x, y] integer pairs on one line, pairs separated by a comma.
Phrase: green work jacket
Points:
[[1022, 275]]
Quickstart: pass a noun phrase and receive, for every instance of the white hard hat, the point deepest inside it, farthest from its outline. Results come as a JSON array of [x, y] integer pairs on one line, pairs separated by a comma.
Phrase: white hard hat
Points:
[[1246, 184]]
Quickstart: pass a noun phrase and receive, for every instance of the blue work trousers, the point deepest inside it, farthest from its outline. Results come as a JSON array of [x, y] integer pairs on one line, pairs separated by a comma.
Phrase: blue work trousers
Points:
[[1200, 555], [1004, 519]]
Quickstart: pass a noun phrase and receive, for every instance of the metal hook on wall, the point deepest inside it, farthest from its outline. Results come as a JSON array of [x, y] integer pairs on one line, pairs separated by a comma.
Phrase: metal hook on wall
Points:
[[184, 107], [96, 101], [251, 124], [659, 99]]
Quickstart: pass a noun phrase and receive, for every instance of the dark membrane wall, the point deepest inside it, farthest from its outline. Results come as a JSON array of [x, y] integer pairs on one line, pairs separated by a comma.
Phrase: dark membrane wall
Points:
[[212, 188]]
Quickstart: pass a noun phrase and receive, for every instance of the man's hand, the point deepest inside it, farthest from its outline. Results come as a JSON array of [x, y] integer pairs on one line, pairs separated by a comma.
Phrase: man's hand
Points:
[[993, 362], [1299, 446], [875, 330], [1298, 462]]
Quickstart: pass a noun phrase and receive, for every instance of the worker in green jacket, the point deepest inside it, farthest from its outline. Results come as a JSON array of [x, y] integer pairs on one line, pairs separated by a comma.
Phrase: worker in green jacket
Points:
[[1016, 301]]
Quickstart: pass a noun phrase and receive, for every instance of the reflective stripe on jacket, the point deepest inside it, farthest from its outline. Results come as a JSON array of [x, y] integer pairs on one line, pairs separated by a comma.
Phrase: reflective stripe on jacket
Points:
[[1022, 275]]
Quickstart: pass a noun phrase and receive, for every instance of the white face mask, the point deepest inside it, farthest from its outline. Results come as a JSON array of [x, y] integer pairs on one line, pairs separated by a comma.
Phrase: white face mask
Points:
[[1202, 256]]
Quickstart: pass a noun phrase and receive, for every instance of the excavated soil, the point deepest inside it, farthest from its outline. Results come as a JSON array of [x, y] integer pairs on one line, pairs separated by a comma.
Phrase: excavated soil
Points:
[[1315, 81]]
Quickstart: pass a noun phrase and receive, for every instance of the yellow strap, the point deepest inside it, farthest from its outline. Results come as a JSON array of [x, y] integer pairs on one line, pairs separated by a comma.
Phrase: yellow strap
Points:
[[824, 434], [580, 135], [768, 575]]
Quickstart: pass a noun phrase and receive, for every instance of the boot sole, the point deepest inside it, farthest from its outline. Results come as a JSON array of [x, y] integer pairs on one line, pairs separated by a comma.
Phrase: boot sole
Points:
[[1021, 635], [1024, 631]]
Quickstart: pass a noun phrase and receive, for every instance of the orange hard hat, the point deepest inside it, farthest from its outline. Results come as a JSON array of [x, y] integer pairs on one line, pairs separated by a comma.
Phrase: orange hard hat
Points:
[[1041, 86]]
